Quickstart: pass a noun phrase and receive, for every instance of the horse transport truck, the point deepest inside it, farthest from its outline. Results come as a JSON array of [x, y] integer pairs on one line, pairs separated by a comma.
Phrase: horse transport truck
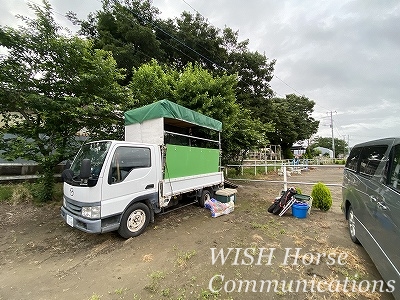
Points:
[[170, 156]]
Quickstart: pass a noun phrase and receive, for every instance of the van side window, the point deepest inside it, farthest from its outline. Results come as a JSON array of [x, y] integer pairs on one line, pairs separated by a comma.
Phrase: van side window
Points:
[[352, 160], [370, 159], [394, 175], [126, 159]]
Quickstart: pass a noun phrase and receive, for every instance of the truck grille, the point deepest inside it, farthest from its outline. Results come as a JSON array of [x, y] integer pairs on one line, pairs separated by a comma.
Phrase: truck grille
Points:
[[75, 208]]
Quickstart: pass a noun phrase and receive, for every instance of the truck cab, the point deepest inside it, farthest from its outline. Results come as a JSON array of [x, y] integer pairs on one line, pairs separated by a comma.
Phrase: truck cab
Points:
[[118, 174]]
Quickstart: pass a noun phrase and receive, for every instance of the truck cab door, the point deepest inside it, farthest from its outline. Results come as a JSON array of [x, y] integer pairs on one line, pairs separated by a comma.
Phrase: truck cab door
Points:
[[131, 176]]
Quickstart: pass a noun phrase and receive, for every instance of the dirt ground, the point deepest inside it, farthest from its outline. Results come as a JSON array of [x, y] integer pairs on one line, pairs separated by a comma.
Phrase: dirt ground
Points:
[[43, 258]]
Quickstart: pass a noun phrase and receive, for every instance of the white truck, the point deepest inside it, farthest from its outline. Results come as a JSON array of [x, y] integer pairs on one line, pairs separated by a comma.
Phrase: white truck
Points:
[[170, 153]]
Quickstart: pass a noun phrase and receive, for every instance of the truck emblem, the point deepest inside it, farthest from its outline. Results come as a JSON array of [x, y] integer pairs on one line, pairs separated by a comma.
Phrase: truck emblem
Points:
[[71, 192]]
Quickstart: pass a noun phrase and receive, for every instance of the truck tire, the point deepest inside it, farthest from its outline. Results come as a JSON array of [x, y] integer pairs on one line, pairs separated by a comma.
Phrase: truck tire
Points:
[[205, 195], [135, 220]]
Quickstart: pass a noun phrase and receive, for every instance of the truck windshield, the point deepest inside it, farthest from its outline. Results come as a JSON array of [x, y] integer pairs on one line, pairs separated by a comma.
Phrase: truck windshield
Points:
[[96, 152]]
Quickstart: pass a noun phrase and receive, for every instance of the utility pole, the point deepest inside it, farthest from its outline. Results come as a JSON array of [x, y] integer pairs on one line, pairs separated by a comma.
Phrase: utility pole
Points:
[[333, 139]]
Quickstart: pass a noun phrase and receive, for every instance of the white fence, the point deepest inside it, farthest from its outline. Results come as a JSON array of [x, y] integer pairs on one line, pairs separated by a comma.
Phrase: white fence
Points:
[[289, 163], [283, 168]]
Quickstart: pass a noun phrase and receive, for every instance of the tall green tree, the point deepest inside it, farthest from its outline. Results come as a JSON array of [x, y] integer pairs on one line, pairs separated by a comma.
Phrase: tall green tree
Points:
[[190, 39], [193, 39], [52, 87], [292, 120], [124, 27]]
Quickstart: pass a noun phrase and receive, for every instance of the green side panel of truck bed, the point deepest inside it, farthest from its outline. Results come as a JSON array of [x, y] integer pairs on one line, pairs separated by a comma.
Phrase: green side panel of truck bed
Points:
[[184, 161]]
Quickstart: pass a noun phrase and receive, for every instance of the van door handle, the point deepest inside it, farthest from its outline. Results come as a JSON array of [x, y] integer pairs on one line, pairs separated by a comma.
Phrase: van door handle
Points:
[[149, 186], [382, 205]]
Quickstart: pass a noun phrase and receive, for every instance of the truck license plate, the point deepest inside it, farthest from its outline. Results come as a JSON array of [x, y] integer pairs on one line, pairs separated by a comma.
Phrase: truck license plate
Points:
[[70, 220]]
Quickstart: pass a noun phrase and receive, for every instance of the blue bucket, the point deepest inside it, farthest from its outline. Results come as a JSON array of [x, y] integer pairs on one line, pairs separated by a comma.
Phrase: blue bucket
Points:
[[299, 210]]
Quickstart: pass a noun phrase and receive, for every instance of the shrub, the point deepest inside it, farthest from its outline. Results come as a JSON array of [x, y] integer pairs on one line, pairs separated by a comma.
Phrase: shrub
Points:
[[21, 194], [322, 197], [26, 192], [6, 192]]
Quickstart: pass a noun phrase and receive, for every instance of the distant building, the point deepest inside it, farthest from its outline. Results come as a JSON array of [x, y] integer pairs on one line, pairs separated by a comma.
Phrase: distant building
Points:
[[325, 151], [298, 150]]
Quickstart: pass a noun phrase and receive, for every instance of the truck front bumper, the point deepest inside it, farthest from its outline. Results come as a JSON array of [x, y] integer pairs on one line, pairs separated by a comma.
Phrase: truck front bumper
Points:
[[86, 225]]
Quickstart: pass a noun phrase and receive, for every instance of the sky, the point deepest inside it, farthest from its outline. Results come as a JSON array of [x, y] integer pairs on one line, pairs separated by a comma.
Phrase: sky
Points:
[[342, 54]]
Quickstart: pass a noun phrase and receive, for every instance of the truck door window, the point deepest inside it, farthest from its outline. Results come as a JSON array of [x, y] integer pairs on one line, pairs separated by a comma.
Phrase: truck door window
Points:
[[126, 159], [370, 159], [394, 173]]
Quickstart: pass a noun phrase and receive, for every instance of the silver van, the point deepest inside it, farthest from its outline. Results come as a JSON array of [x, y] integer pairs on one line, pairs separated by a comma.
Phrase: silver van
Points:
[[371, 204]]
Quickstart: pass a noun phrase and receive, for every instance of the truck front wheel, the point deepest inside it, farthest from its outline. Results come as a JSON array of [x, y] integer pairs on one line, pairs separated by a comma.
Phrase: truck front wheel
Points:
[[135, 220]]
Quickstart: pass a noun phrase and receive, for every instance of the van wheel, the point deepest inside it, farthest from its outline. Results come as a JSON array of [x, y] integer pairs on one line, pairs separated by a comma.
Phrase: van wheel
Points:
[[352, 225], [205, 195], [135, 220]]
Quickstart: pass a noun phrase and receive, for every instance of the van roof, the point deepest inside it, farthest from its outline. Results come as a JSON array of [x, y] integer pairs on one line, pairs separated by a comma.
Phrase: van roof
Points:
[[383, 141]]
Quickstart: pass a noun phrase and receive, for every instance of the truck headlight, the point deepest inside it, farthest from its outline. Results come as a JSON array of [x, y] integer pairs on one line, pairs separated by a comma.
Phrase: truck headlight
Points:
[[92, 212]]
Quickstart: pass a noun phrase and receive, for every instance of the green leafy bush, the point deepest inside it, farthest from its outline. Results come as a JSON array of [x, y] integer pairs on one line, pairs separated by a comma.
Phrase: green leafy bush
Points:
[[322, 197], [6, 192]]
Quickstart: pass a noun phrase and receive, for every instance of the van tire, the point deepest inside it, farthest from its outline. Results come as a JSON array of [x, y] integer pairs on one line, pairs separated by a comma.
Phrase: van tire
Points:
[[135, 220], [205, 195], [352, 225]]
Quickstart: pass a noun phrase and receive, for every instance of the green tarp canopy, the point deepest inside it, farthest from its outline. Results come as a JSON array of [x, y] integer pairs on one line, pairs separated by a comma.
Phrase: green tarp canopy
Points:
[[170, 110]]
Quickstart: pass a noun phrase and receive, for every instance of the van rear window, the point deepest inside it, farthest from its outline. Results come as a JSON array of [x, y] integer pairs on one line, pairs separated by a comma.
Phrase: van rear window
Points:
[[370, 158]]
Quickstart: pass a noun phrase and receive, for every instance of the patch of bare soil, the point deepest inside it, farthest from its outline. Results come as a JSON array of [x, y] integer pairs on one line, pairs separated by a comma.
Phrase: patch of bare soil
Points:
[[271, 257]]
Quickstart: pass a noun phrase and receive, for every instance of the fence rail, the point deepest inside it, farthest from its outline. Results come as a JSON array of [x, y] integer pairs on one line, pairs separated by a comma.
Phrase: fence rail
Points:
[[20, 172], [282, 169], [295, 165]]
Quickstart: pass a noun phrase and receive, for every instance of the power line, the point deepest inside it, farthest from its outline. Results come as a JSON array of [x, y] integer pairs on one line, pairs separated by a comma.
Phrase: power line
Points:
[[274, 74], [288, 85], [204, 18], [193, 8]]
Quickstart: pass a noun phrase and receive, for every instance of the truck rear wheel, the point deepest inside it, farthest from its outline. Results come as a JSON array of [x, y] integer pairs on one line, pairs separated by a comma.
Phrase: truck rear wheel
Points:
[[205, 195], [135, 220]]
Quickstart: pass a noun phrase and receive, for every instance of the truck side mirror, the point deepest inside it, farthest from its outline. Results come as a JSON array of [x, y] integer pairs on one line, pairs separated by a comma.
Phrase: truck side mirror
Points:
[[67, 175], [85, 169]]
